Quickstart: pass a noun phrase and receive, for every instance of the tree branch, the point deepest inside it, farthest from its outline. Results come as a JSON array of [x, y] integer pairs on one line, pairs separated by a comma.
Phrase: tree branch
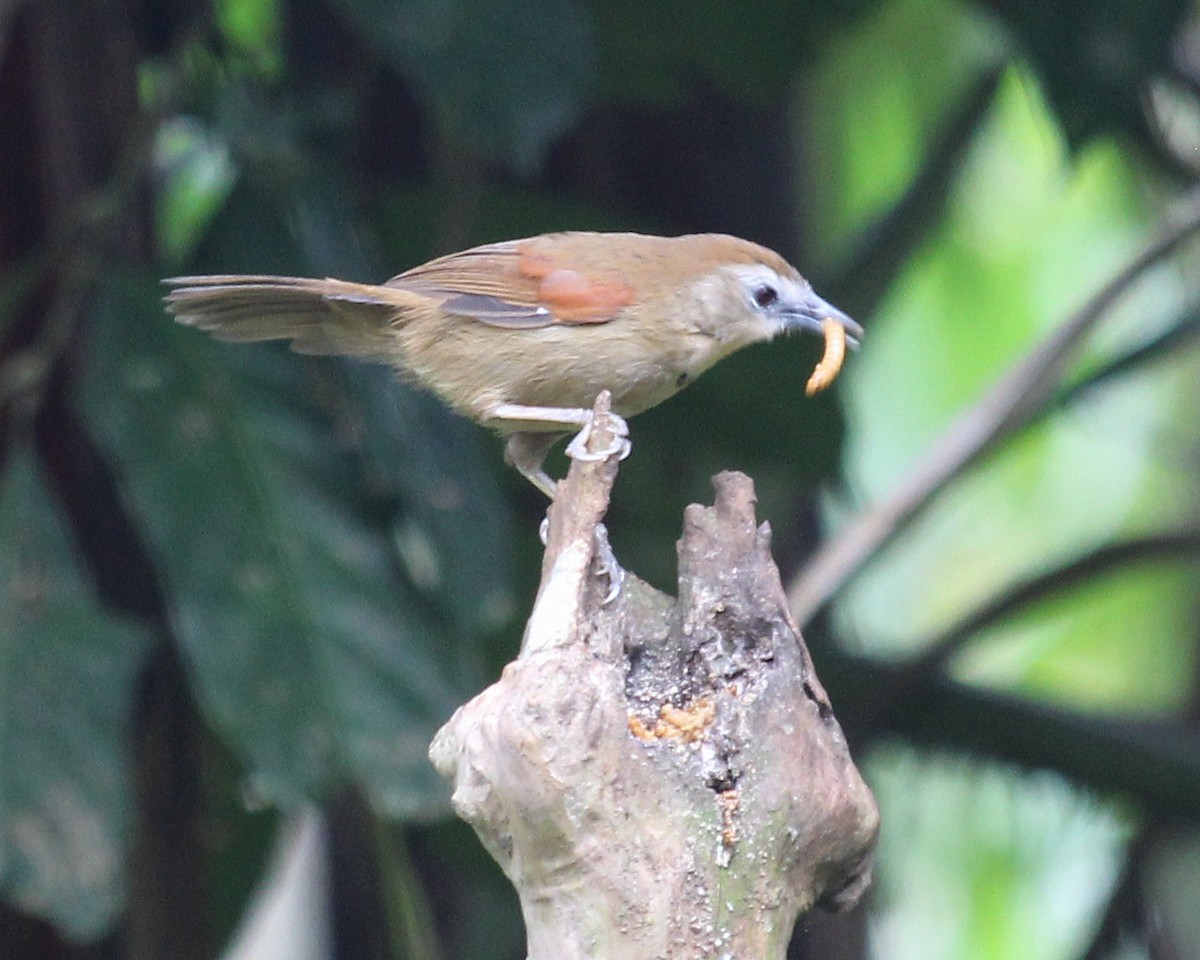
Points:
[[1178, 336], [661, 777], [1156, 765], [1173, 545], [1006, 407]]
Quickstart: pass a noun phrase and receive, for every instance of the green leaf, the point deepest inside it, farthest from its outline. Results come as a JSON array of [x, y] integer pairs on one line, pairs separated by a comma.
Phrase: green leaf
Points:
[[434, 472], [877, 100], [305, 645], [253, 28], [451, 529], [984, 863], [197, 175], [67, 672], [506, 77], [1026, 240]]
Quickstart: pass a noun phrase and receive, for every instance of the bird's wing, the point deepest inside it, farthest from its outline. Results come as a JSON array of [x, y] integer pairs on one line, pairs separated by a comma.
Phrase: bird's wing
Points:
[[519, 284]]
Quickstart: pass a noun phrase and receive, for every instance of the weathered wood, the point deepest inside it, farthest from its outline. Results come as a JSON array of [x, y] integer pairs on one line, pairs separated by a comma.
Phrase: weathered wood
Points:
[[661, 778]]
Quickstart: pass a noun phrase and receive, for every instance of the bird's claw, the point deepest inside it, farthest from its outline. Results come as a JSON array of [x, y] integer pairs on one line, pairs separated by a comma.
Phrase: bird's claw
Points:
[[604, 558], [577, 449], [606, 562]]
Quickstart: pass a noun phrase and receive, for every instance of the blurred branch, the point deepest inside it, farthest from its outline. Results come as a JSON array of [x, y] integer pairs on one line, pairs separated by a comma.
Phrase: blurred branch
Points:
[[886, 244], [409, 913], [58, 279], [1174, 545], [1177, 336], [1009, 405], [1156, 765]]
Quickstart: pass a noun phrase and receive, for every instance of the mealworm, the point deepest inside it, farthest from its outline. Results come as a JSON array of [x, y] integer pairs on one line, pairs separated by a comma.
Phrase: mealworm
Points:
[[830, 363]]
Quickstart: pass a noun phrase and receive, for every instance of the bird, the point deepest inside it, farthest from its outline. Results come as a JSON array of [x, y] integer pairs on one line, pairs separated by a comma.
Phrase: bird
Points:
[[522, 335]]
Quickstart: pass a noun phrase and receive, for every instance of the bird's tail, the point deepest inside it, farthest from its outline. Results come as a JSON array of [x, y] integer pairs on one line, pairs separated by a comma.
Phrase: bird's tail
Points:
[[318, 316]]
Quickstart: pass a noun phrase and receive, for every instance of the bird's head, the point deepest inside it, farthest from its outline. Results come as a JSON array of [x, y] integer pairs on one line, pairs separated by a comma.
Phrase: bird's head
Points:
[[747, 302]]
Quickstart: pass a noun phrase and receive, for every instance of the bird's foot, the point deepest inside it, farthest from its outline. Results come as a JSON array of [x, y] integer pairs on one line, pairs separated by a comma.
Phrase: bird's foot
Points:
[[577, 449]]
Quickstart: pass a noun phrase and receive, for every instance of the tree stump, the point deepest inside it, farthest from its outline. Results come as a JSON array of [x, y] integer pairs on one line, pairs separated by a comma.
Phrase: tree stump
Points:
[[659, 777]]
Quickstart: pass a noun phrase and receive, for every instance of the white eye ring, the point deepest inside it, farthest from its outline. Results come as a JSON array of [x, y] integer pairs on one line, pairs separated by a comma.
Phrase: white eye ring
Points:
[[765, 296]]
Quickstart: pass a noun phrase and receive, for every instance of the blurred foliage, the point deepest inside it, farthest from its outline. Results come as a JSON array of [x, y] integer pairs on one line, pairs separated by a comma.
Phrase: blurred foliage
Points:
[[1095, 57], [287, 605], [1026, 233], [1023, 874], [337, 562], [505, 77], [68, 669], [654, 51], [1019, 240]]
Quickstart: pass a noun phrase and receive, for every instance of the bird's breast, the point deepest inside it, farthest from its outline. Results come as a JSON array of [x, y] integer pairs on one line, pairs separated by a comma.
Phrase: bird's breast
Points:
[[640, 372], [474, 367]]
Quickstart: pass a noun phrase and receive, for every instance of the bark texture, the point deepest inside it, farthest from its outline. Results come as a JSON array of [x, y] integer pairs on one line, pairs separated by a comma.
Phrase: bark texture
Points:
[[659, 777]]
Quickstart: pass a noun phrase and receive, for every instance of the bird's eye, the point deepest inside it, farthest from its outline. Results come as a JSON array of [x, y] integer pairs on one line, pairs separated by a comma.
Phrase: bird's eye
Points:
[[765, 295]]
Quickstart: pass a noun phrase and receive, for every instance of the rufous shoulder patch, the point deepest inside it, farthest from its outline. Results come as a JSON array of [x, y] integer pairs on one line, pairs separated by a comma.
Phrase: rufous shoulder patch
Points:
[[573, 296]]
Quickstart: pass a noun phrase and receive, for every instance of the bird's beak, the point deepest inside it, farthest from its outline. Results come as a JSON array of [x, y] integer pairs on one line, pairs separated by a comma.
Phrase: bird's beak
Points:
[[810, 310]]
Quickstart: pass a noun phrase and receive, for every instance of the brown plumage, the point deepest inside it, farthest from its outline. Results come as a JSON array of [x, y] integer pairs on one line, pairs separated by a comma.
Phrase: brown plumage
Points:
[[522, 335]]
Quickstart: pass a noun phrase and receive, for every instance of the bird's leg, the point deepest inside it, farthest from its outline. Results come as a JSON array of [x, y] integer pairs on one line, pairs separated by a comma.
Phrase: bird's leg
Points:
[[527, 448], [527, 452]]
